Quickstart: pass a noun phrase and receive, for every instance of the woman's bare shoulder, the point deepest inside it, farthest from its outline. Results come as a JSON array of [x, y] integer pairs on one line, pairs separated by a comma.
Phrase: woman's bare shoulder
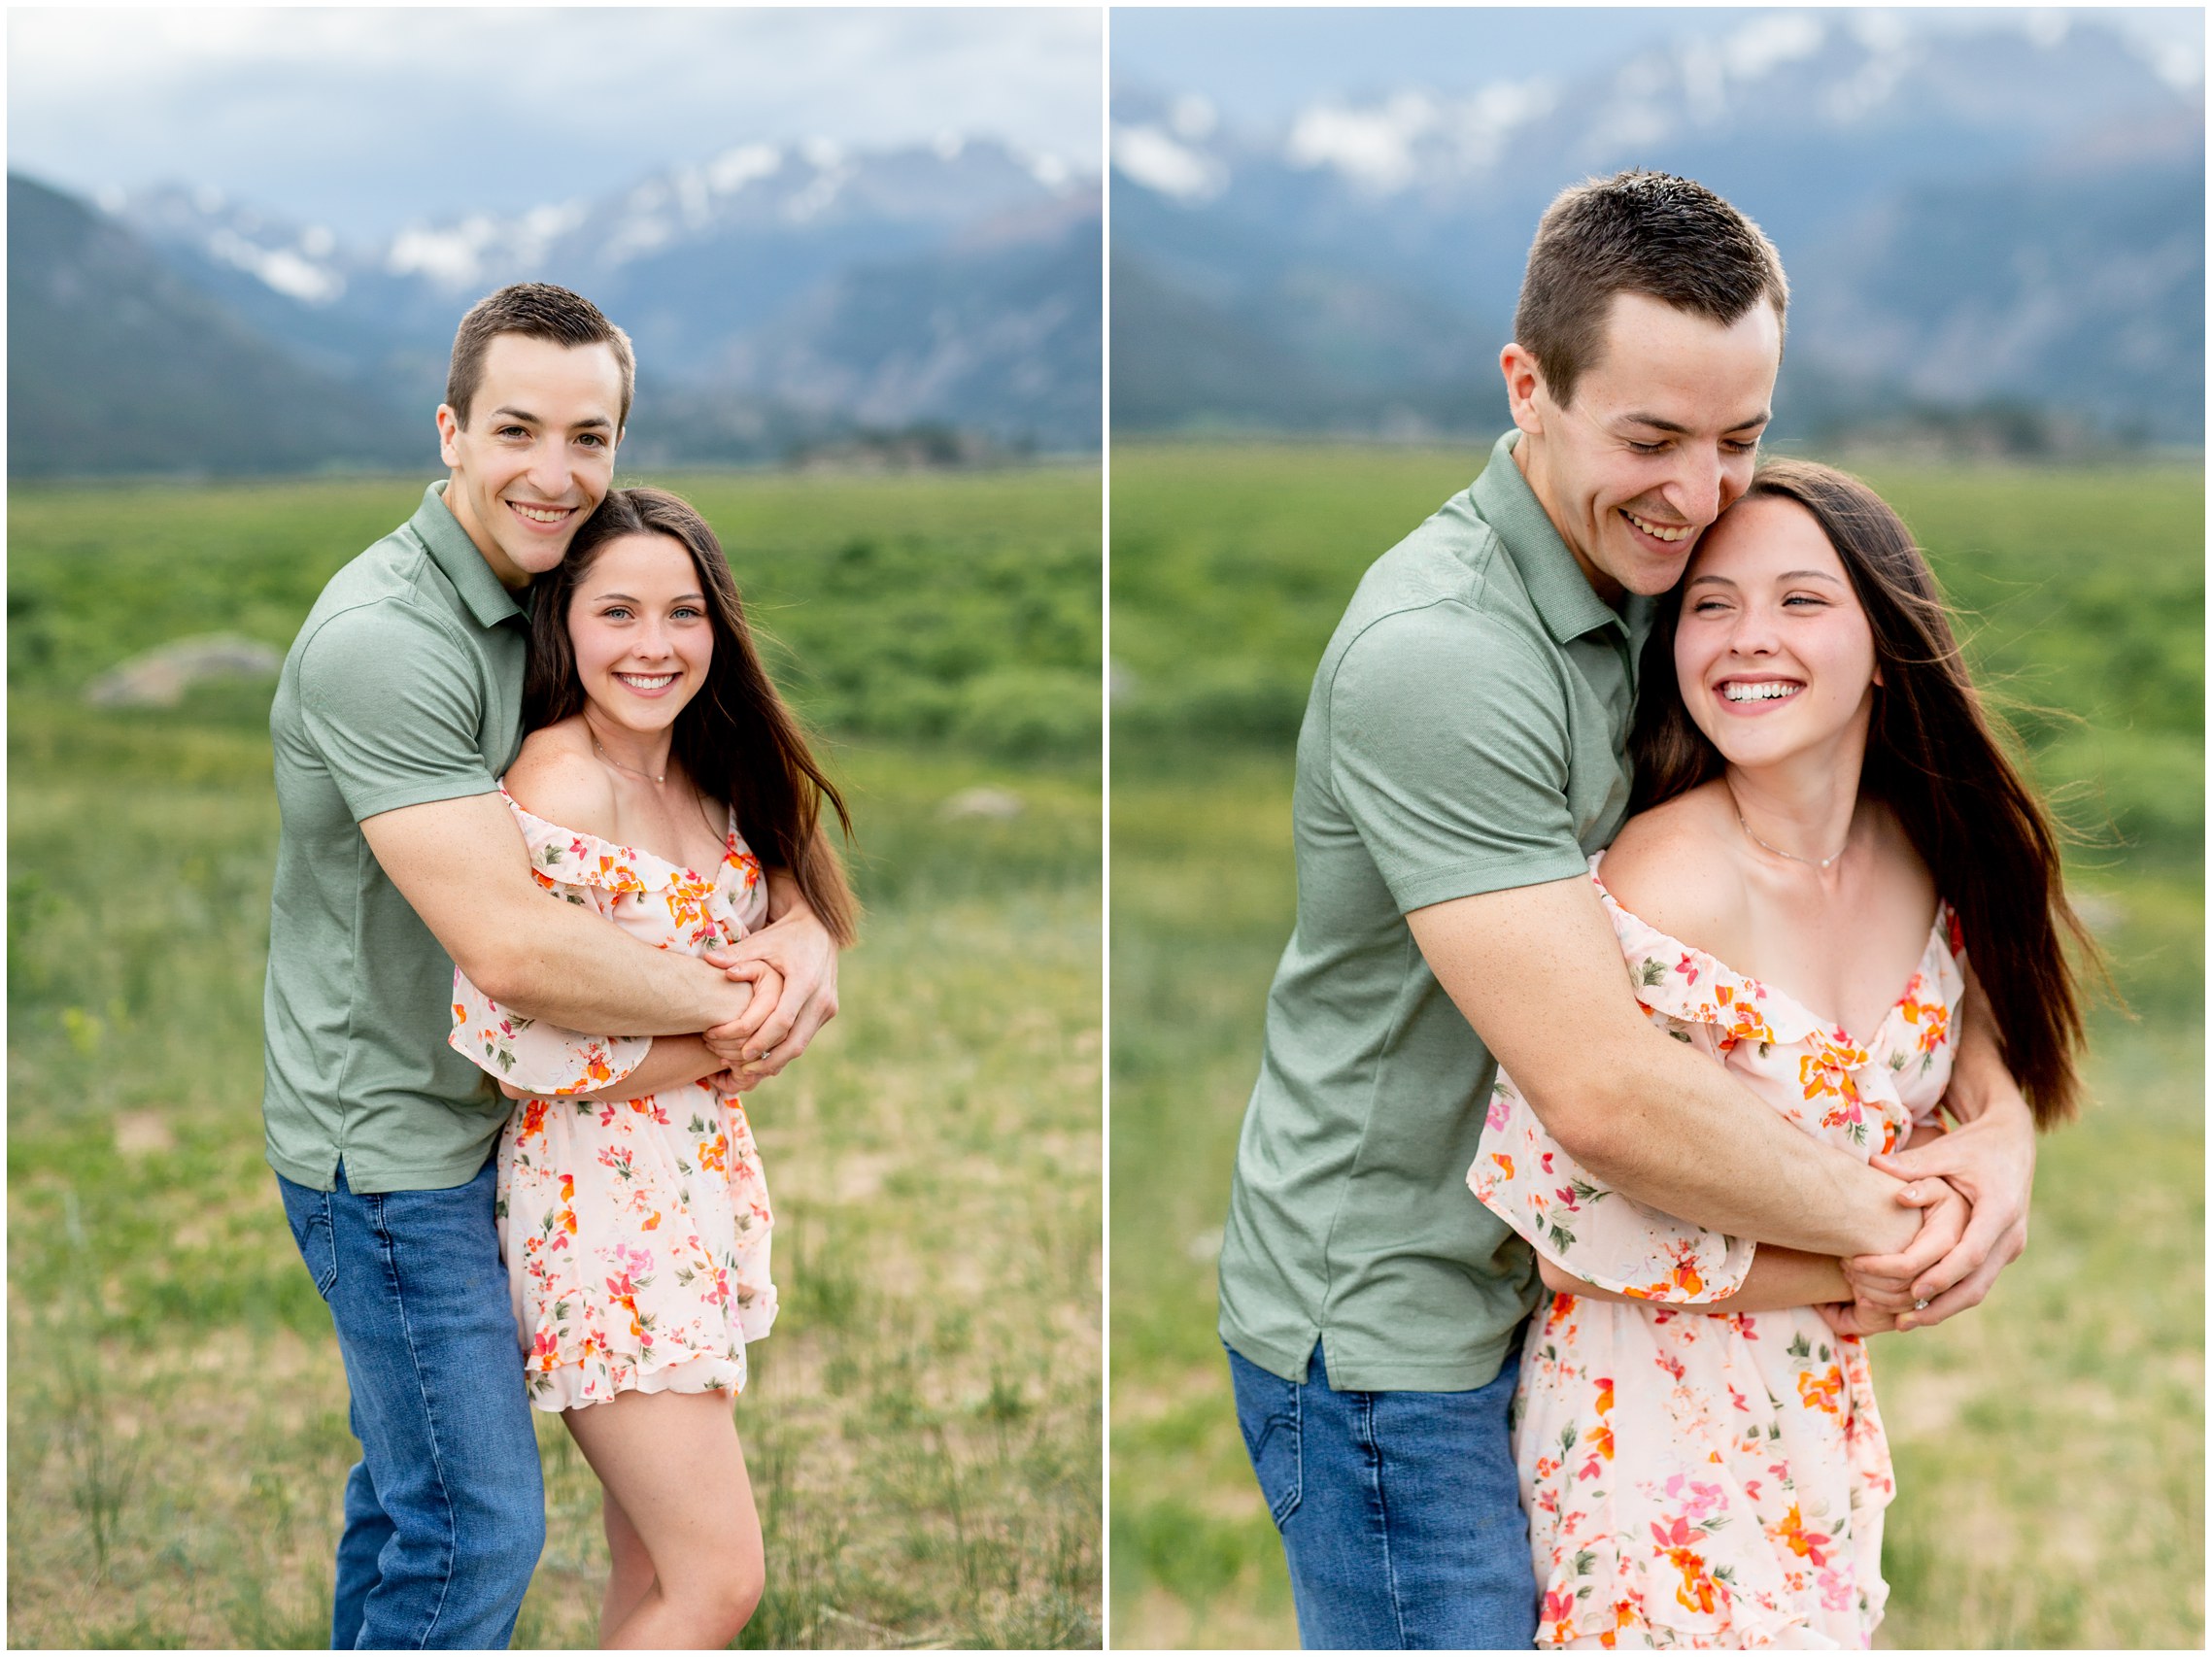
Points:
[[1678, 867], [557, 778]]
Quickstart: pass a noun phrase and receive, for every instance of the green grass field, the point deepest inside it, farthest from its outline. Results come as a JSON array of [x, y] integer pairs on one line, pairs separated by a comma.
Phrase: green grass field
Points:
[[922, 1427], [2049, 1446]]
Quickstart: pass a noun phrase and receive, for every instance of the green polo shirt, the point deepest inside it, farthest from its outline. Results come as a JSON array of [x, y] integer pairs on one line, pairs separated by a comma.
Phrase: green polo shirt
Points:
[[404, 687], [1465, 735]]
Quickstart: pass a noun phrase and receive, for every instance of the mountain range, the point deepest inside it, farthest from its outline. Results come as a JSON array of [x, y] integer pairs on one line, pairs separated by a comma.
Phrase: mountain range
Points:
[[778, 296], [2010, 219]]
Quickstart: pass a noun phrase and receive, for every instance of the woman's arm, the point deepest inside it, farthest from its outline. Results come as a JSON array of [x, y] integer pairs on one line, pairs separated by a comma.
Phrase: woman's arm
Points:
[[673, 1061], [1779, 1278]]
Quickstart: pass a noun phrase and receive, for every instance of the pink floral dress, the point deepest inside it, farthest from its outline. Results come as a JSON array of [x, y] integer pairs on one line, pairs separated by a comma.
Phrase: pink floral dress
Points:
[[636, 1233], [1696, 1478]]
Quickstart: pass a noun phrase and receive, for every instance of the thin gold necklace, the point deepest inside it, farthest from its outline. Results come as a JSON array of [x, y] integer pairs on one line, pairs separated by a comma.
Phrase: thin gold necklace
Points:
[[1815, 862], [648, 775]]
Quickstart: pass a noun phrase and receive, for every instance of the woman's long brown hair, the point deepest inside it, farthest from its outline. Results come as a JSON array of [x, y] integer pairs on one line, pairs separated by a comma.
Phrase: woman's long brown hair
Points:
[[1933, 755], [735, 739]]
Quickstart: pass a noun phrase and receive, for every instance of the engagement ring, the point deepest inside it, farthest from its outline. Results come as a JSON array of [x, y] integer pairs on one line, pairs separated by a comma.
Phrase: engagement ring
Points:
[[1920, 1306]]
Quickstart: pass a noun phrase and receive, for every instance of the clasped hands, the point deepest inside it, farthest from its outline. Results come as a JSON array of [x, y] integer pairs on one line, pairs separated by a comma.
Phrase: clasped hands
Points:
[[1972, 1186], [791, 964]]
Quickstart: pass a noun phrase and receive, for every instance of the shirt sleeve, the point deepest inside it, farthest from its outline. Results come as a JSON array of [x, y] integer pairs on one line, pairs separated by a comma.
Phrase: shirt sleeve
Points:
[[1586, 1228], [544, 1059], [1450, 753], [393, 706]]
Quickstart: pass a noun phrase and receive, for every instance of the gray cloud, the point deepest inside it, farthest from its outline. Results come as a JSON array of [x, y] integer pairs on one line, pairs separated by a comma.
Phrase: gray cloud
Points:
[[364, 119]]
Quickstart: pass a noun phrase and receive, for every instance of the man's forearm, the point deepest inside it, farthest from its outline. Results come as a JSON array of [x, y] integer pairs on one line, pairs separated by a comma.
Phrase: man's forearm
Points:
[[1688, 1140], [567, 966]]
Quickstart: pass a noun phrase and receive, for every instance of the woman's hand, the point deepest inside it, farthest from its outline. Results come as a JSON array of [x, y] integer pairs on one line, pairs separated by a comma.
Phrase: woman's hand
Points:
[[1884, 1284], [794, 950], [1850, 1317]]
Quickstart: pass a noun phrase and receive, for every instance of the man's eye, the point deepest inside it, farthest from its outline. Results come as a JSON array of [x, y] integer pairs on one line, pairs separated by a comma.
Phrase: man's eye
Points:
[[592, 440], [512, 431], [1645, 448], [1741, 445]]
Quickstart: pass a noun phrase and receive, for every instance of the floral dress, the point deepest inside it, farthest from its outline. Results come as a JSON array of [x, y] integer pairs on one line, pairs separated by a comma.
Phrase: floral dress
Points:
[[1696, 1478], [636, 1233]]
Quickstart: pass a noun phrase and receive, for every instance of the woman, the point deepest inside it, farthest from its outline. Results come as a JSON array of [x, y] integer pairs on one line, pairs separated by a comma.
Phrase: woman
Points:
[[1700, 1454], [634, 1219]]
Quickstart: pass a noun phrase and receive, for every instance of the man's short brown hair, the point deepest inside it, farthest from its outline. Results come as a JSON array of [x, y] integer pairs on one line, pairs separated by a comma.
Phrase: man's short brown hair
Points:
[[1636, 232], [535, 310]]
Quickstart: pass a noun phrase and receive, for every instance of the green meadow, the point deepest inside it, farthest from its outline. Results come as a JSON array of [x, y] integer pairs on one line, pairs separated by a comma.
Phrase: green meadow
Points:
[[2049, 1445], [923, 1425]]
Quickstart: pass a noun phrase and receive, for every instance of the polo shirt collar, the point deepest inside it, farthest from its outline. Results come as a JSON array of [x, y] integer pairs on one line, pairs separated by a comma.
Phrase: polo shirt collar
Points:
[[1556, 585], [453, 551]]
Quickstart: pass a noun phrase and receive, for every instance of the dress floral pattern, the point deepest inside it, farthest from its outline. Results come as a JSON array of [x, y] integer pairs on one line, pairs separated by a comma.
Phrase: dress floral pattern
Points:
[[1696, 1478], [636, 1233]]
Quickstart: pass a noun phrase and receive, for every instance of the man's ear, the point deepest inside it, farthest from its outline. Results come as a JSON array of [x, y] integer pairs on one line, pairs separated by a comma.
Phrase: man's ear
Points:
[[449, 427], [1524, 378]]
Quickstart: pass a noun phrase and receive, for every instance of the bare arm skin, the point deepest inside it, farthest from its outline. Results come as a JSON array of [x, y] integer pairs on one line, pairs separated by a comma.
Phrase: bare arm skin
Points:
[[462, 865], [672, 1061], [1537, 970], [1779, 1278]]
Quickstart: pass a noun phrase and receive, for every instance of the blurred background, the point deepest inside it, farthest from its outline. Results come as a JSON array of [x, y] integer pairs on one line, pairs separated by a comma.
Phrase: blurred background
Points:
[[1993, 229], [859, 253]]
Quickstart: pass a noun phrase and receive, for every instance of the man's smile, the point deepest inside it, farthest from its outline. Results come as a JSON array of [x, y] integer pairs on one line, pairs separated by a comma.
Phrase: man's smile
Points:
[[534, 512], [1667, 532]]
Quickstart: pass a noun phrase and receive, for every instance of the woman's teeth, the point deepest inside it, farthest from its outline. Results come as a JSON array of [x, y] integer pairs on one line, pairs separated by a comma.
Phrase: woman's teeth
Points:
[[1657, 531], [647, 681], [1770, 691]]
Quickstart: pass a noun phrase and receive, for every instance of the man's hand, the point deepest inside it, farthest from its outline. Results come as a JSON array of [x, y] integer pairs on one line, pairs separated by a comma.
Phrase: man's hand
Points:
[[797, 950]]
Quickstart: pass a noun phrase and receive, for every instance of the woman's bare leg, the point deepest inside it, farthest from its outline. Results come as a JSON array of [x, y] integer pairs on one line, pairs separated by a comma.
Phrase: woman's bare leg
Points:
[[671, 1464], [631, 1577]]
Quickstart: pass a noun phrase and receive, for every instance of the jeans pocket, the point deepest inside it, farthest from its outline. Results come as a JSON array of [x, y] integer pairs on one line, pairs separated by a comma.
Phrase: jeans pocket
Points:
[[1267, 1411], [309, 1213]]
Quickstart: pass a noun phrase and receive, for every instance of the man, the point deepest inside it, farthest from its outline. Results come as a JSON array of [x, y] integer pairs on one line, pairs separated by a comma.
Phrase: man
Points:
[[1461, 757], [398, 708]]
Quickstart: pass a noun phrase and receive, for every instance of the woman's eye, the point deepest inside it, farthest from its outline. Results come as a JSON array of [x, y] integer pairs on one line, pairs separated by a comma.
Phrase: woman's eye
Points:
[[1805, 598], [615, 613], [687, 613]]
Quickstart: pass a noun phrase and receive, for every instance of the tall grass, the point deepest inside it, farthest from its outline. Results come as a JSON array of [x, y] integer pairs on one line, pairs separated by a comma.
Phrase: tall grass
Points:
[[2049, 1445], [921, 1426]]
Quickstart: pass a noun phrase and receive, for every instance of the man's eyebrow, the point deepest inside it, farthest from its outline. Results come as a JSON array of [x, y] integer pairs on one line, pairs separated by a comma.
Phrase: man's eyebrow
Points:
[[1659, 425], [528, 418]]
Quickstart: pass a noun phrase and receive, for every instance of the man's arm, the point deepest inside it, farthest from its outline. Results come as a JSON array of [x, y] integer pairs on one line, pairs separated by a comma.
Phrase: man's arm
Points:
[[1537, 970], [462, 865], [1990, 1156]]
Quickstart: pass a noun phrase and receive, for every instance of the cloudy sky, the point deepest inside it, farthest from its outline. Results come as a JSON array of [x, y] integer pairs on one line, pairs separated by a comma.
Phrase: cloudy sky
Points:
[[368, 119], [1260, 67]]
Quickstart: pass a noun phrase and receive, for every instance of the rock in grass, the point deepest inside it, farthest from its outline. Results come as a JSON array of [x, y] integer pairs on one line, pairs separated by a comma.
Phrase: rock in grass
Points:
[[997, 804], [159, 678]]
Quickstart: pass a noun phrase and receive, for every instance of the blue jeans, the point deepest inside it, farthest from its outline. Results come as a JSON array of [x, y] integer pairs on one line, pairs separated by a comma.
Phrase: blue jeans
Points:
[[445, 1511], [1400, 1512]]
